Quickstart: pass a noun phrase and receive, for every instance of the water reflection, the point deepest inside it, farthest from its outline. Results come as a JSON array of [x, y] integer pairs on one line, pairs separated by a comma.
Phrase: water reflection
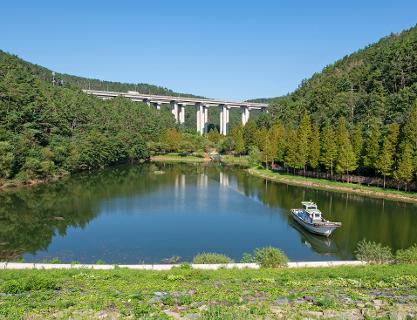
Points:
[[154, 211]]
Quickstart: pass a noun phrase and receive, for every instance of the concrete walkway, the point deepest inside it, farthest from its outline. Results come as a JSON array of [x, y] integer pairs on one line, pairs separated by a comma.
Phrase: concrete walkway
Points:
[[161, 267]]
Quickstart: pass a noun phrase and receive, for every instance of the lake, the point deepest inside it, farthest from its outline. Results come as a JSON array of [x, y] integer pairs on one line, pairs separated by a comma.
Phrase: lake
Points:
[[149, 213]]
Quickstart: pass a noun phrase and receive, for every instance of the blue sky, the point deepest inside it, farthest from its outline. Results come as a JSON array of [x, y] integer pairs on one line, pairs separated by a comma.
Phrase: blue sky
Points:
[[219, 49]]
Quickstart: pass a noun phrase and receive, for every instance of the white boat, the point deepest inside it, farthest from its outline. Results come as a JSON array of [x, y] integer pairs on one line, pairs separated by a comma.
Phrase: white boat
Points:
[[311, 219]]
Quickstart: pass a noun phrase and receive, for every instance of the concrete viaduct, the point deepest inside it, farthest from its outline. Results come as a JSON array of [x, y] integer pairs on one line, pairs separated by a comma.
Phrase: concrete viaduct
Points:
[[178, 105]]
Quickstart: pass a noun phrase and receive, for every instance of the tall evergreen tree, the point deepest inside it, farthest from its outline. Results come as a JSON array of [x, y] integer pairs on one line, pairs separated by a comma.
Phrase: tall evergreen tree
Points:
[[372, 147], [290, 157], [328, 148], [346, 159], [357, 141], [303, 137], [385, 161], [410, 128], [314, 154], [238, 141], [405, 169]]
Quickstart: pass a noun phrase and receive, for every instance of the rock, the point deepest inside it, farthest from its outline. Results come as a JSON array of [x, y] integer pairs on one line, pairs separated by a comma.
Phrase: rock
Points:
[[155, 300], [245, 292], [377, 302], [172, 314], [360, 305], [281, 301], [312, 314], [202, 307], [160, 294], [308, 299], [191, 316]]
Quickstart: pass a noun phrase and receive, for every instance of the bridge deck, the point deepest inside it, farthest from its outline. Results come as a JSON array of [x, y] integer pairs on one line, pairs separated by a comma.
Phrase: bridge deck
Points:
[[168, 99]]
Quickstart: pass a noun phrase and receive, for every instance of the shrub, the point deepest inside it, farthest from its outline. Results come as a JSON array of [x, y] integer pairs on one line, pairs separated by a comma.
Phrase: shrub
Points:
[[29, 284], [407, 256], [373, 252], [247, 258], [270, 257], [209, 257]]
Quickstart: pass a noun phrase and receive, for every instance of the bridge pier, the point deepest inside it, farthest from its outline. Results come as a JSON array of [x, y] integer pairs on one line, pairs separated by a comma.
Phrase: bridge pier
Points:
[[157, 105], [181, 113], [245, 114], [147, 101], [224, 119], [174, 110], [202, 117]]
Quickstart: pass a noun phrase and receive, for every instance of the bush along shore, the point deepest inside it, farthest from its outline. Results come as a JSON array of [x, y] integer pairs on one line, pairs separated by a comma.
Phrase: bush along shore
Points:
[[385, 288]]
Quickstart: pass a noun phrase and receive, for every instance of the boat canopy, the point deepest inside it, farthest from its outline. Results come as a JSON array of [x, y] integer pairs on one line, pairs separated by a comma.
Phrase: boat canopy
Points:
[[309, 205]]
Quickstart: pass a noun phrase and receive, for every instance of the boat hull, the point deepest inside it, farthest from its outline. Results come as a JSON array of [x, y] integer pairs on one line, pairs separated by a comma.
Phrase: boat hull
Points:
[[322, 229]]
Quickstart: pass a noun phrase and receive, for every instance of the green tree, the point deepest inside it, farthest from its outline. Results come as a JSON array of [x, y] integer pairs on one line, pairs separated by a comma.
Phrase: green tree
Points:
[[249, 134], [372, 147], [385, 161], [213, 135], [6, 159], [346, 159], [303, 145], [357, 141], [238, 141], [172, 138], [405, 169], [314, 154], [410, 128], [290, 158], [328, 148]]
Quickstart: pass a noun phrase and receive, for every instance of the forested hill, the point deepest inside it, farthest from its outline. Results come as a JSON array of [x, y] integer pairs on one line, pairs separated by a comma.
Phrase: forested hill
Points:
[[48, 130], [95, 84], [377, 83]]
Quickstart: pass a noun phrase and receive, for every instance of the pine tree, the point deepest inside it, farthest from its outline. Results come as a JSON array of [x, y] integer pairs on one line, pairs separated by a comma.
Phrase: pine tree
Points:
[[277, 137], [405, 170], [249, 134], [314, 154], [372, 147], [410, 128], [328, 148], [385, 161], [303, 137], [238, 141], [357, 141], [346, 159], [269, 152], [213, 135], [290, 158]]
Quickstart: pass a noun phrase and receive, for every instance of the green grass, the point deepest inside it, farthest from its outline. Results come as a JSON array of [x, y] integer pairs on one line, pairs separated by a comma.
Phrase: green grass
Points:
[[324, 184], [175, 157], [230, 159], [221, 294]]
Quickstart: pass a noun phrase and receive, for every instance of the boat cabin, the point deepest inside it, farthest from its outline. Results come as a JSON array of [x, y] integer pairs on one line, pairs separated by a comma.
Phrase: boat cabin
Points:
[[311, 209]]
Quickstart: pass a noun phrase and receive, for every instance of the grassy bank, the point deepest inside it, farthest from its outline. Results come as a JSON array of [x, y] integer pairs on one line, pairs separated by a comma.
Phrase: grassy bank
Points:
[[175, 157], [323, 184], [374, 291]]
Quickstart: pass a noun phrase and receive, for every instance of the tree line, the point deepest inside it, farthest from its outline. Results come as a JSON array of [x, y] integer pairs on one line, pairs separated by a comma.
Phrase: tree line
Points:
[[341, 147], [48, 131]]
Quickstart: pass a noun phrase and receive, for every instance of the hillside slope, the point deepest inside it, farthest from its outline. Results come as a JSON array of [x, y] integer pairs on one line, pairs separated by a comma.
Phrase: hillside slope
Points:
[[87, 83], [378, 83], [48, 130]]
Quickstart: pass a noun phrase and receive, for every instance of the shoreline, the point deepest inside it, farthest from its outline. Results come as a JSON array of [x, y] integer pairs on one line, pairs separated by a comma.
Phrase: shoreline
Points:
[[319, 184], [328, 185], [162, 267]]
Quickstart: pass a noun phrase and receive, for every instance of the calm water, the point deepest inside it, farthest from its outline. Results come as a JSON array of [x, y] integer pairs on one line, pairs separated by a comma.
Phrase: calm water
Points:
[[134, 214]]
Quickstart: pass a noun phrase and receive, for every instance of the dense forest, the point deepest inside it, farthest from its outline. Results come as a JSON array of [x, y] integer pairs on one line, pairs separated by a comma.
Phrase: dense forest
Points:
[[359, 115], [48, 130], [46, 75]]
